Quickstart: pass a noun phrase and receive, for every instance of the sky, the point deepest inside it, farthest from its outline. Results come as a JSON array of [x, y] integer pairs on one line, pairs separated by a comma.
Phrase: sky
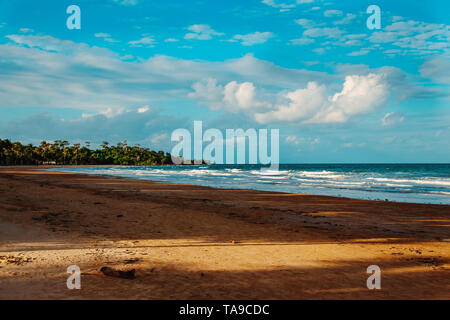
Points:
[[137, 70]]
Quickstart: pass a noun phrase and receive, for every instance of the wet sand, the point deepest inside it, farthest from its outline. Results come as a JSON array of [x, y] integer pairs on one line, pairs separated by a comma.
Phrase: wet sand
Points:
[[191, 242]]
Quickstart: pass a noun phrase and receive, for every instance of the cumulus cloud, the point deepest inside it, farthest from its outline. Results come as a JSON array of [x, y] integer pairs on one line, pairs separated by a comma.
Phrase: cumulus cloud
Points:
[[401, 84], [302, 104], [208, 92], [234, 96], [251, 39], [201, 32], [240, 95], [360, 95]]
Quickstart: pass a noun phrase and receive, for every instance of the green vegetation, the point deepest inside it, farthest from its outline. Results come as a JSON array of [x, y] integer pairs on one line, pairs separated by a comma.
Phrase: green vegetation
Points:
[[62, 153]]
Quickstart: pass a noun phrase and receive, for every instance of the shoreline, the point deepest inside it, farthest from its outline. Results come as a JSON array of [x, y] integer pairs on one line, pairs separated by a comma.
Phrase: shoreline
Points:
[[193, 242], [225, 188]]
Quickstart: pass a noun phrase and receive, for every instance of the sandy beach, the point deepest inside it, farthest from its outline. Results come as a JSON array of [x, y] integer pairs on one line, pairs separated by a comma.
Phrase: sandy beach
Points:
[[191, 242]]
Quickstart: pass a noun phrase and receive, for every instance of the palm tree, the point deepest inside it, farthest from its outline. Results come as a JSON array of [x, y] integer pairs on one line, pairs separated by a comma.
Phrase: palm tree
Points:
[[43, 150], [61, 151]]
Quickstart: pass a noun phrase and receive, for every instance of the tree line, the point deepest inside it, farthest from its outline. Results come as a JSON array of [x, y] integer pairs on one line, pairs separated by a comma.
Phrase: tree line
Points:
[[61, 152]]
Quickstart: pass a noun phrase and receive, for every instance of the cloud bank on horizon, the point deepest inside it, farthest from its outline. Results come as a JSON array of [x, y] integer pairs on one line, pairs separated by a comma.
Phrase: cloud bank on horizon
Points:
[[309, 67]]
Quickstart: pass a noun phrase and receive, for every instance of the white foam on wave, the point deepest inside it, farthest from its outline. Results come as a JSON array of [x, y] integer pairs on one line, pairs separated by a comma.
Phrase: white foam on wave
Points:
[[424, 181], [267, 172], [359, 184], [319, 174]]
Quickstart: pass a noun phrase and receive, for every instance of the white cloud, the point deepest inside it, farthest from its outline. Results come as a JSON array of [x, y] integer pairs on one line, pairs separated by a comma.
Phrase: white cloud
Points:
[[208, 92], [143, 109], [105, 36], [97, 79], [286, 5], [302, 104], [292, 140], [201, 32], [360, 95], [44, 42], [437, 68], [305, 23], [392, 118], [94, 78], [354, 145], [127, 2], [353, 42], [159, 139], [171, 40], [324, 32], [301, 41], [399, 82], [232, 97], [273, 3], [349, 17], [319, 51], [150, 129], [147, 41], [251, 39], [26, 30], [332, 13], [102, 35], [414, 37], [358, 53], [240, 95], [296, 141]]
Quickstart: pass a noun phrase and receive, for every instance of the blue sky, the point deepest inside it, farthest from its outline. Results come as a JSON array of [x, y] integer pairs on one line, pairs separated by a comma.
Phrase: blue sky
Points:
[[137, 70]]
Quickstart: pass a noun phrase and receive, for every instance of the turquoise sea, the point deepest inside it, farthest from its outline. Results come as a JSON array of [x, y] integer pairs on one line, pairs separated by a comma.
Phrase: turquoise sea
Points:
[[419, 183]]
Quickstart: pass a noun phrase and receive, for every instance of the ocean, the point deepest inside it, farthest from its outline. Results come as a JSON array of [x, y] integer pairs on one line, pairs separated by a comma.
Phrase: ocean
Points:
[[417, 183]]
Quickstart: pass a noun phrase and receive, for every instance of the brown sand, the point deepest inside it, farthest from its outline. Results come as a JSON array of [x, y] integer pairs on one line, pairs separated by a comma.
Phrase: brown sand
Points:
[[190, 242]]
